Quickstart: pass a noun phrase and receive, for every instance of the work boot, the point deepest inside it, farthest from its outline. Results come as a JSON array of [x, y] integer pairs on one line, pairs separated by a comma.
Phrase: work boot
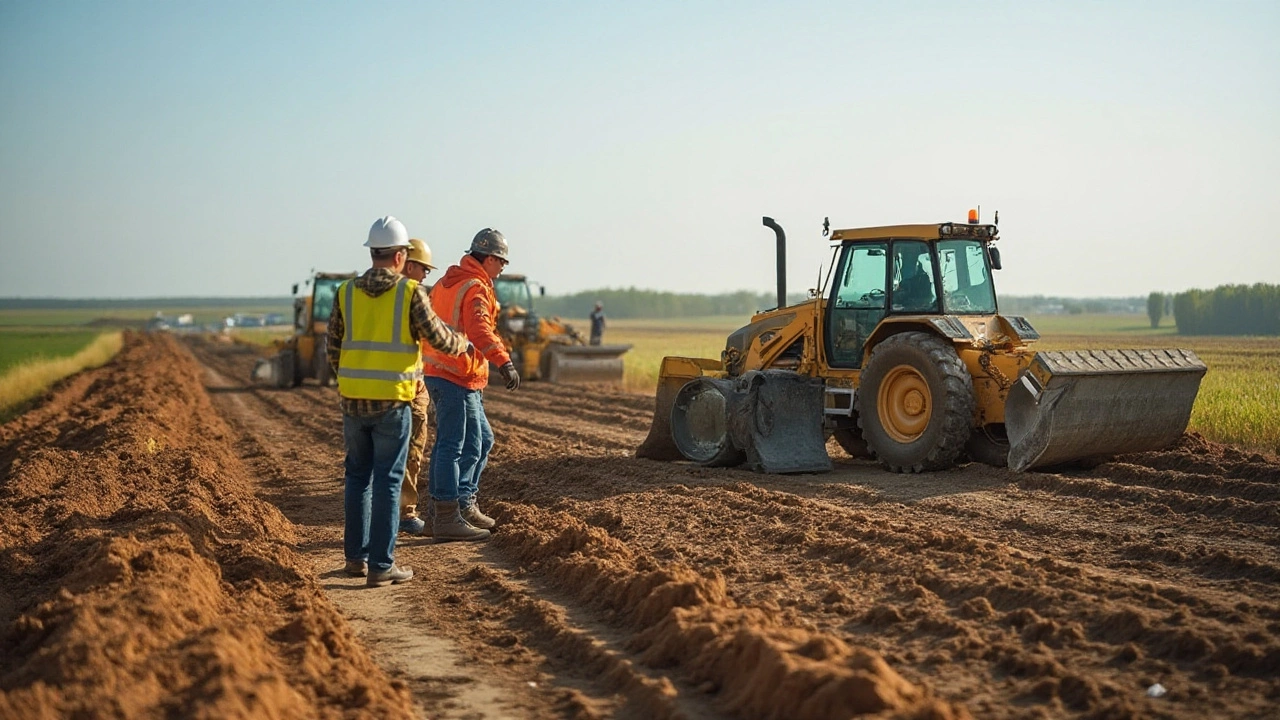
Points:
[[413, 525], [471, 513], [395, 575], [447, 524], [356, 568]]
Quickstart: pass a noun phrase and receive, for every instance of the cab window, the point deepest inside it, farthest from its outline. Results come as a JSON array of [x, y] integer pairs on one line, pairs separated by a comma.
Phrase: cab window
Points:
[[966, 278], [857, 302]]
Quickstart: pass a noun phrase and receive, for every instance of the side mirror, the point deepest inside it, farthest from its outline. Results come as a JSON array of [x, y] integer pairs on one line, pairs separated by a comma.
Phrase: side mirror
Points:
[[295, 288], [995, 257]]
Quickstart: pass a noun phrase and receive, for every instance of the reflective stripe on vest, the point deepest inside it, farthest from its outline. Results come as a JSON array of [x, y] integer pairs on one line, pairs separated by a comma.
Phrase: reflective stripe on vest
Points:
[[379, 358], [458, 299]]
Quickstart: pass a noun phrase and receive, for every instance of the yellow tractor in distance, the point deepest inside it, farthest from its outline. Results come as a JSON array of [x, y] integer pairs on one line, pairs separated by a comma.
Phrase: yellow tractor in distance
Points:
[[303, 354], [907, 359], [548, 348]]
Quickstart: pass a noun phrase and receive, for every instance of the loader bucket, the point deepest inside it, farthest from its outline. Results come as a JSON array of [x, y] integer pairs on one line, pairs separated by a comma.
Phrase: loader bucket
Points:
[[674, 373], [772, 419], [274, 371], [1075, 405], [777, 422], [585, 363]]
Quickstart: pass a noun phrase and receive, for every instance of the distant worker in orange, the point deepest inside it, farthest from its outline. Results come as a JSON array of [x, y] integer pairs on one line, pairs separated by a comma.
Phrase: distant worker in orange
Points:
[[417, 267], [465, 298]]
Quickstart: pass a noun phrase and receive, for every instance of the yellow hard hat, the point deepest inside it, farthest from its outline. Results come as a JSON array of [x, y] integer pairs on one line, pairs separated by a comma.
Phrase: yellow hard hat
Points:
[[419, 252]]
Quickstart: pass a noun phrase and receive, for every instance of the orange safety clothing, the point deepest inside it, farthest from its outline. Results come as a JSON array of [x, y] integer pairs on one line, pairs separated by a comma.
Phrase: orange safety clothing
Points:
[[465, 300]]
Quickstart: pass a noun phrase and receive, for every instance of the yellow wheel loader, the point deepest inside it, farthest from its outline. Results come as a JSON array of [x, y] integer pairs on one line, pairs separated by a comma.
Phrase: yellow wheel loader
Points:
[[906, 358], [303, 354], [548, 348]]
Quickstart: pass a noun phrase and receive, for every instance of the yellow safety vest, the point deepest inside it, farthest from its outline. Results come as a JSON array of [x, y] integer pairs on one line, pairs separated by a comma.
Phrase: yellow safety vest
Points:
[[380, 360]]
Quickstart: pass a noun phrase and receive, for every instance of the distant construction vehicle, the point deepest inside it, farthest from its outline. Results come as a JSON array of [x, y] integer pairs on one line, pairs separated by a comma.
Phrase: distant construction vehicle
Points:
[[304, 355], [906, 358], [550, 349]]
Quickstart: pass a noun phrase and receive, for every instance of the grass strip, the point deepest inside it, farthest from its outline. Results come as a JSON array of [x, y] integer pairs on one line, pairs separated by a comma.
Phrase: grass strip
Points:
[[29, 379]]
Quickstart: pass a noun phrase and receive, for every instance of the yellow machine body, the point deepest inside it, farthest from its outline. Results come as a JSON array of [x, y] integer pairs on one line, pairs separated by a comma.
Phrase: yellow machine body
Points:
[[919, 387], [547, 348], [303, 354]]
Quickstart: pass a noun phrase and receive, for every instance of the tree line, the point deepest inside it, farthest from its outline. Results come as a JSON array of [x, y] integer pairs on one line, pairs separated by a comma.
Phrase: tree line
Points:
[[1224, 310], [637, 303]]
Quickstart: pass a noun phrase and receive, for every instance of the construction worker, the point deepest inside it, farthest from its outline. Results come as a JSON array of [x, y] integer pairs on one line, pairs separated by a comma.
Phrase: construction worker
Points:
[[417, 267], [378, 321], [465, 298], [597, 323]]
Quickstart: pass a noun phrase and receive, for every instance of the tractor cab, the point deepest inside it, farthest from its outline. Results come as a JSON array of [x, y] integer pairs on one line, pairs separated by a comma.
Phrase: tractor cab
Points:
[[905, 270]]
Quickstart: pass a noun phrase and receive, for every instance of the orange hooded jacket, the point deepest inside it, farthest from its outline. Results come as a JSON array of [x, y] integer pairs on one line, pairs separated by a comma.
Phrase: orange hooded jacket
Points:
[[465, 300]]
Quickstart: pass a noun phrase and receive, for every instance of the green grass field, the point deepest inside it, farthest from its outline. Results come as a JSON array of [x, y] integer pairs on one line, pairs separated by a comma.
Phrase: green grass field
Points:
[[31, 362], [22, 346], [127, 317]]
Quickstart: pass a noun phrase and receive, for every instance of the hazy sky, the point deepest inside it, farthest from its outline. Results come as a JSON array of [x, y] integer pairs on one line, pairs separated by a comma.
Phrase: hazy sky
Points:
[[227, 148]]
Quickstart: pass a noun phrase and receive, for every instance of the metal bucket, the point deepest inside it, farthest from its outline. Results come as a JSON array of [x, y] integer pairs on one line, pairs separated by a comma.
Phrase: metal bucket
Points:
[[1075, 405], [772, 419], [777, 422], [585, 363]]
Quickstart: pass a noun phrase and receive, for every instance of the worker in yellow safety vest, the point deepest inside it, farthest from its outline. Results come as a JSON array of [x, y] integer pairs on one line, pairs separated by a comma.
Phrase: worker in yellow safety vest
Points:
[[378, 321]]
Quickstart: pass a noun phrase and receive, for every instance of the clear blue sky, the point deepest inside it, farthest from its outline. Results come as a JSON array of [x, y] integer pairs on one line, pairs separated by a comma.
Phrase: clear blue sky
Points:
[[227, 148]]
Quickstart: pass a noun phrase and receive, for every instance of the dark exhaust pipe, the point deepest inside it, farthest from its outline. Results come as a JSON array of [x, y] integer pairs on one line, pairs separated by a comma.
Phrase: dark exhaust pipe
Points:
[[782, 260]]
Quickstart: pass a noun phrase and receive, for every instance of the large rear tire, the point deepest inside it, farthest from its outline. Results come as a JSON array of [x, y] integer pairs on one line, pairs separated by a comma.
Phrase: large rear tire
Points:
[[916, 402]]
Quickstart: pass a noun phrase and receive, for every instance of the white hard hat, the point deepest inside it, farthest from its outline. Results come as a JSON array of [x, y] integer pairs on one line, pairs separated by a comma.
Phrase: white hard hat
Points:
[[387, 232]]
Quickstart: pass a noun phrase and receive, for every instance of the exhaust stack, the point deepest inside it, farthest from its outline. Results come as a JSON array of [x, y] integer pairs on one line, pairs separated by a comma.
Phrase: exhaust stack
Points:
[[782, 260]]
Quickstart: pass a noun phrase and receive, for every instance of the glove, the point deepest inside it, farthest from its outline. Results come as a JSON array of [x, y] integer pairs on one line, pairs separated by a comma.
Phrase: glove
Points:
[[510, 375]]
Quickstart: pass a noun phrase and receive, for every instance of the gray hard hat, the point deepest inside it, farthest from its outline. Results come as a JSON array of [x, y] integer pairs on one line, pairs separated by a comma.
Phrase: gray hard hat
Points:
[[490, 242]]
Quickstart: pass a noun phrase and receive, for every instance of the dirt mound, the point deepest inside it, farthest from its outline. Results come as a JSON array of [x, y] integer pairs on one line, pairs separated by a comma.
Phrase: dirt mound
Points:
[[142, 576]]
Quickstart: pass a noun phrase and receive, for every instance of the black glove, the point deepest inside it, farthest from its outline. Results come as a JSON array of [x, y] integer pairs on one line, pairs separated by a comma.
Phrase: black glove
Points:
[[510, 375]]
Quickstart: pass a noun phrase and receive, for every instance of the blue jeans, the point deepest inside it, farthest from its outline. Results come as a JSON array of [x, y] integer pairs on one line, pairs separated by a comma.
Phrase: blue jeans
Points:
[[377, 446], [463, 442]]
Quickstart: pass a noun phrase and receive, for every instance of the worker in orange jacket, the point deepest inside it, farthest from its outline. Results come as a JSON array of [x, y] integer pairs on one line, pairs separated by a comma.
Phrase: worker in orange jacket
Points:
[[464, 298]]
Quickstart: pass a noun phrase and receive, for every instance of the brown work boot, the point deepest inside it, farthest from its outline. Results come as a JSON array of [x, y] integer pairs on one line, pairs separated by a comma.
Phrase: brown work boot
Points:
[[447, 524], [356, 568], [471, 513], [395, 574]]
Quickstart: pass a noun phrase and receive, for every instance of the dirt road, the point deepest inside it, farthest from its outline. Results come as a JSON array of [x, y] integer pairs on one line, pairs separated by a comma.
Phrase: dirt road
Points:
[[619, 587]]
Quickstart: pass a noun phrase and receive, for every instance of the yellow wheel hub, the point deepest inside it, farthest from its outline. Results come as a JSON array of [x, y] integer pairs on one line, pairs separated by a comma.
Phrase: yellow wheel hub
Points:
[[904, 404]]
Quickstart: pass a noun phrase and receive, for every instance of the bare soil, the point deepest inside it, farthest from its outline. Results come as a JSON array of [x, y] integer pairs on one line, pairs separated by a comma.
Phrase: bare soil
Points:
[[169, 538]]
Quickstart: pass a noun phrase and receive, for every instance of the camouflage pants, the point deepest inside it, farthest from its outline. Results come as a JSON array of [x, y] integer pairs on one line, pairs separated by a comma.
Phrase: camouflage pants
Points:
[[420, 409]]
